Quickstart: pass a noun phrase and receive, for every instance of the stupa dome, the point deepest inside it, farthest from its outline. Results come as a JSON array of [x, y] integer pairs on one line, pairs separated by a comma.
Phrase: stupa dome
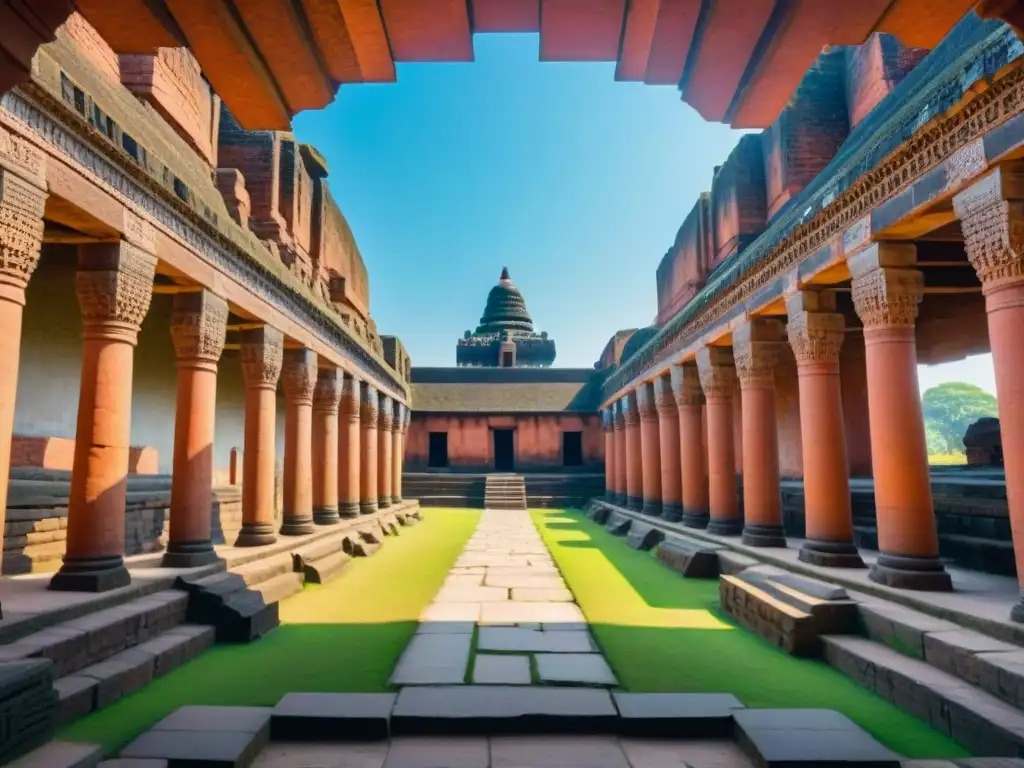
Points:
[[505, 309]]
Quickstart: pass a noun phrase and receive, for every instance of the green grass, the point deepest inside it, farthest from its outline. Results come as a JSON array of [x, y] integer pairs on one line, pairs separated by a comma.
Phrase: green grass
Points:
[[661, 632], [343, 636]]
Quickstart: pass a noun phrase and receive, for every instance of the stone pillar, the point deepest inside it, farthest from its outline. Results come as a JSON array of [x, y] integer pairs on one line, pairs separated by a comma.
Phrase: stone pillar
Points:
[[21, 235], [349, 448], [816, 334], [368, 417], [198, 324], [992, 218], [114, 285], [756, 345], [608, 428], [718, 380], [299, 378], [398, 427], [634, 453], [650, 450], [886, 292], [384, 451], [689, 399], [670, 459], [326, 396], [261, 355], [619, 423]]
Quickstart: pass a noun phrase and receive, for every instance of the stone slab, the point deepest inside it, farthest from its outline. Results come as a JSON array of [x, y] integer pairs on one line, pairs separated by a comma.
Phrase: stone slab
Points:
[[332, 717], [957, 652], [471, 595], [617, 524], [464, 580], [676, 715], [513, 639], [501, 669], [900, 627], [494, 710], [453, 752], [643, 536], [209, 749], [544, 613], [558, 752], [446, 628], [525, 581], [574, 669], [692, 558], [433, 659], [61, 754], [199, 718], [530, 595], [449, 612]]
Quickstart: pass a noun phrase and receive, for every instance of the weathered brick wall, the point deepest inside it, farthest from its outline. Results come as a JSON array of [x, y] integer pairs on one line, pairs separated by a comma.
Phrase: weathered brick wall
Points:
[[738, 202], [59, 453], [874, 69], [683, 271]]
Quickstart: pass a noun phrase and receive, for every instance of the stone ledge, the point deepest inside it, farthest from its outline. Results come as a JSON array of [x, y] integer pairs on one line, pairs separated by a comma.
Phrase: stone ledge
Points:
[[643, 536], [212, 736], [332, 717], [676, 715], [61, 754], [692, 558]]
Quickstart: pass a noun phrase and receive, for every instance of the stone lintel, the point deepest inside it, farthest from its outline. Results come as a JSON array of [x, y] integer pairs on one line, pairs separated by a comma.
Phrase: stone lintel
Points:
[[198, 326], [299, 375], [261, 355], [686, 388]]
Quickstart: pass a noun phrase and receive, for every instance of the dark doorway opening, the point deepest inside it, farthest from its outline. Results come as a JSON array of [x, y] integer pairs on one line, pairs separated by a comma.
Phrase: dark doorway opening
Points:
[[506, 359], [572, 449], [504, 451], [438, 450]]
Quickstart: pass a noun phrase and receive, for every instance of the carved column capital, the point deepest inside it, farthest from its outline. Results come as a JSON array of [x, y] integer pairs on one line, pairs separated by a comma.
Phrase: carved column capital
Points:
[[645, 402], [717, 373], [630, 410], [299, 376], [350, 399], [815, 330], [991, 215], [886, 288], [385, 418], [198, 324], [21, 228], [756, 346], [261, 355], [114, 284], [368, 404], [327, 392], [686, 387], [618, 417], [400, 423], [607, 420], [664, 397]]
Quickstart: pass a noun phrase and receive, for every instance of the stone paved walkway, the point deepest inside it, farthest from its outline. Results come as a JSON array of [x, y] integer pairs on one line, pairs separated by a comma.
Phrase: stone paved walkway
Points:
[[503, 616]]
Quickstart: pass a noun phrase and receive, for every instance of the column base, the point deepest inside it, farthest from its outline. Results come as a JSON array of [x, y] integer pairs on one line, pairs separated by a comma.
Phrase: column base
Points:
[[696, 518], [651, 508], [326, 516], [831, 554], [256, 535], [368, 507], [922, 573], [91, 574], [764, 536], [671, 513], [297, 525], [619, 500], [729, 526], [384, 503], [189, 554], [348, 509], [634, 504], [396, 500]]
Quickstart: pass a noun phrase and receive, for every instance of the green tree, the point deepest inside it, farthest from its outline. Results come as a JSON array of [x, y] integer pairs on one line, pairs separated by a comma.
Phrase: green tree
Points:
[[934, 439], [949, 409]]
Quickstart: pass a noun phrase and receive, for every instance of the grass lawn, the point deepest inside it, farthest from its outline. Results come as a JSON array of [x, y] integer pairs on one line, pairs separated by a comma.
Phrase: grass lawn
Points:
[[343, 636], [661, 632]]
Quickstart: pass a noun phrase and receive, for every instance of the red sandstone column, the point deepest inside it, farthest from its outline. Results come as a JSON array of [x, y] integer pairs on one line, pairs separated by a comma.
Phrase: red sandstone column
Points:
[[349, 442], [756, 345], [326, 396], [299, 379], [690, 404], [261, 356], [608, 427], [886, 292], [634, 453], [198, 324], [650, 448], [114, 285], [816, 334], [21, 234], [368, 416], [992, 217], [718, 379], [668, 437], [384, 451], [398, 427], [619, 419]]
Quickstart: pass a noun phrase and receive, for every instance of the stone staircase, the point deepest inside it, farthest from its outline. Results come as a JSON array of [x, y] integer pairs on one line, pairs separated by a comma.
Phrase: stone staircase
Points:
[[562, 491], [445, 489], [505, 492]]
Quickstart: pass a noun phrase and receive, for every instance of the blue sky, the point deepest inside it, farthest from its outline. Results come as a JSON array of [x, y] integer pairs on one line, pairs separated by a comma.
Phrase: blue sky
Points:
[[575, 182]]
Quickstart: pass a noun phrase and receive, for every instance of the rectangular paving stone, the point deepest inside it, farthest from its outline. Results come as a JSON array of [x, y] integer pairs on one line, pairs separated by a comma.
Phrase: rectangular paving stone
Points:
[[433, 659], [471, 595], [209, 749], [676, 715], [513, 581], [446, 628], [440, 612], [540, 595], [451, 752], [545, 613], [574, 669], [494, 709], [332, 717], [512, 639], [198, 718], [504, 669], [558, 752]]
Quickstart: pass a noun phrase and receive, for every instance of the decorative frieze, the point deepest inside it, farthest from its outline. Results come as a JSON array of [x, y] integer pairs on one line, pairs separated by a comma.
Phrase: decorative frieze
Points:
[[261, 355], [815, 329], [198, 326], [114, 284], [991, 216], [327, 393], [349, 406], [886, 290], [686, 386], [756, 346], [299, 376], [717, 373]]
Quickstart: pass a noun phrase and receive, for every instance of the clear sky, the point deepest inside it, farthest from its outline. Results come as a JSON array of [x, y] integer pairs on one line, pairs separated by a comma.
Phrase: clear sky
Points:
[[575, 182]]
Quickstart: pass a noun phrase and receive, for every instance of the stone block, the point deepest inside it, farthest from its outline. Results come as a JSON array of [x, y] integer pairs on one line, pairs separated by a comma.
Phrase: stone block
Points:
[[617, 524], [28, 706], [455, 752], [432, 659], [676, 715], [220, 749], [326, 568], [731, 563], [332, 717], [1002, 675], [692, 558], [121, 674], [574, 669], [899, 627], [526, 640], [501, 669], [76, 696], [544, 613], [780, 624], [599, 513], [644, 536], [61, 754], [956, 652]]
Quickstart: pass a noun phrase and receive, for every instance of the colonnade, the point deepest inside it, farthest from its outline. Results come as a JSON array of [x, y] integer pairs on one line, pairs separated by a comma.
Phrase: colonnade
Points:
[[343, 439]]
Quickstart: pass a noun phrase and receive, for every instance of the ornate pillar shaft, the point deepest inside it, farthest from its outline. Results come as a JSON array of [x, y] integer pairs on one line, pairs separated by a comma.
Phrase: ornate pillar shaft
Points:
[[608, 428], [886, 292], [349, 448], [634, 453], [114, 285], [326, 396], [992, 218], [398, 426], [671, 461], [299, 378], [385, 424], [198, 324], [21, 235], [718, 380], [368, 417], [619, 423], [756, 347], [816, 334], [689, 399], [261, 355], [650, 450]]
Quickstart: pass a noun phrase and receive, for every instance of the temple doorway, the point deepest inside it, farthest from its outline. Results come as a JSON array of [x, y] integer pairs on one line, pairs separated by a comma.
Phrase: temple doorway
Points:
[[438, 450], [504, 452], [572, 449]]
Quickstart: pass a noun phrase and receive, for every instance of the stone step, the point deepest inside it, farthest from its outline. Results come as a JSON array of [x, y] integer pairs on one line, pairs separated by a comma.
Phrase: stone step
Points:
[[61, 754], [643, 536], [100, 685], [238, 614], [76, 644], [280, 587], [28, 706], [318, 549], [256, 572], [693, 558], [980, 722], [326, 568]]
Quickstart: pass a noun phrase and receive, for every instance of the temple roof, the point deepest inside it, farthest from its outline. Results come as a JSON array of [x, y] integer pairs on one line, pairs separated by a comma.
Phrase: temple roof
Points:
[[506, 390], [505, 310]]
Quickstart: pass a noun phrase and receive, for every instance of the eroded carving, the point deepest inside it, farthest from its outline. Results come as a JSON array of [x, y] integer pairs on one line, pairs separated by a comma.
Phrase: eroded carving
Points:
[[756, 347], [993, 228], [368, 412], [327, 393], [21, 227], [114, 284], [385, 418], [717, 373], [299, 375], [261, 355], [198, 326], [886, 297], [686, 386]]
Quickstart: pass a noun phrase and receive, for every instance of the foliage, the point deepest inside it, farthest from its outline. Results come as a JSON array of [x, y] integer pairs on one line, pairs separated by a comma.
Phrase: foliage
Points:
[[949, 409]]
